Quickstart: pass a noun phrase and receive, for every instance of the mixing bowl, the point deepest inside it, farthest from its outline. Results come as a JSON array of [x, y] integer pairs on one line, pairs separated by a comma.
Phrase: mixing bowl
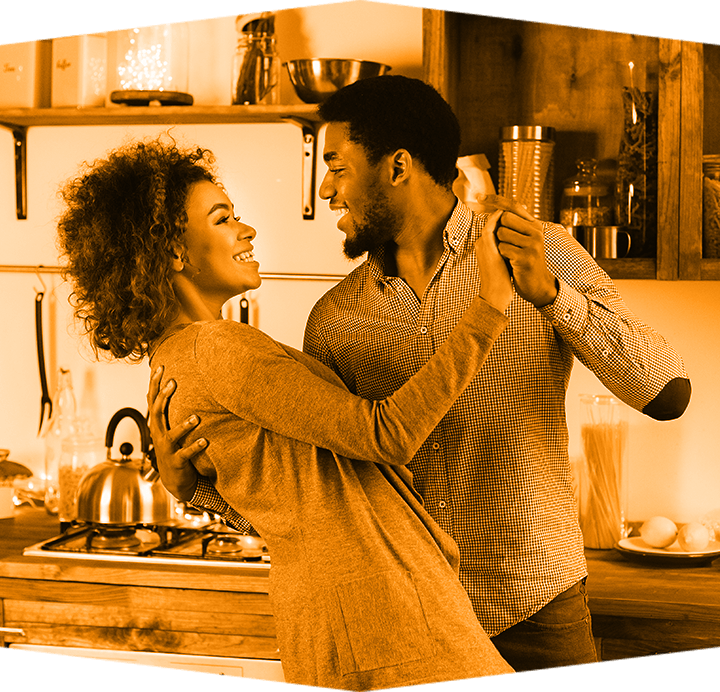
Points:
[[315, 79]]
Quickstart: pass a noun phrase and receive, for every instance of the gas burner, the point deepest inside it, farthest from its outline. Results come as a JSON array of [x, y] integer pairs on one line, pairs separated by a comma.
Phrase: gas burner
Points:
[[222, 545], [226, 544], [122, 538]]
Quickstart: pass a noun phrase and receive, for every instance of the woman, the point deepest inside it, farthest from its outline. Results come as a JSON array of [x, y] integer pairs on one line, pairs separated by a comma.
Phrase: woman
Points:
[[363, 582]]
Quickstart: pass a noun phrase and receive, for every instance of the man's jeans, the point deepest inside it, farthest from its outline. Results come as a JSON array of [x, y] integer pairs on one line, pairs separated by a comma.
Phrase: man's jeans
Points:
[[557, 635]]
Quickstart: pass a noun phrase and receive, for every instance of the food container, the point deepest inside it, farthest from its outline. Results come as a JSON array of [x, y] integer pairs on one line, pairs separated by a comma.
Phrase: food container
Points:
[[25, 74], [79, 71], [711, 206], [603, 489], [527, 169], [79, 455], [10, 472], [586, 200]]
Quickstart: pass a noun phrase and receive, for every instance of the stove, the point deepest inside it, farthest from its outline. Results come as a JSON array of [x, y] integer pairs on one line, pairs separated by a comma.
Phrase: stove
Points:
[[173, 543]]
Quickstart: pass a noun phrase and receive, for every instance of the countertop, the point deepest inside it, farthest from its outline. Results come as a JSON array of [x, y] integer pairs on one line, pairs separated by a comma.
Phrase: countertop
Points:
[[637, 608]]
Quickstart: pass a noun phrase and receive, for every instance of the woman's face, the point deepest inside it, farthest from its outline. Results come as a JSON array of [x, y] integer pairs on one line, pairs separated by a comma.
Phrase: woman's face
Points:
[[219, 256]]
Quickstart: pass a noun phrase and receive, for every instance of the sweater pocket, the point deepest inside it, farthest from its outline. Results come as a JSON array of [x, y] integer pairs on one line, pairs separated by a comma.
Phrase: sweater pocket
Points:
[[378, 622]]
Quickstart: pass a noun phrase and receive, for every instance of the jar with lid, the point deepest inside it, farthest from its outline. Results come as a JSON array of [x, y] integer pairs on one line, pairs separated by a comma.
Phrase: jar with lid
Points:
[[586, 200], [711, 205], [527, 167]]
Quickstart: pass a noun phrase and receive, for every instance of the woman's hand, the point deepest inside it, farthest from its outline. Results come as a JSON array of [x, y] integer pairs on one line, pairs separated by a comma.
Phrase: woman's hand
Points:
[[496, 286], [174, 464]]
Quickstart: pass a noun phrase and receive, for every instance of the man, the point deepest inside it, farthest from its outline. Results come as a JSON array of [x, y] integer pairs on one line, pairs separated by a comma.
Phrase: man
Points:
[[495, 473]]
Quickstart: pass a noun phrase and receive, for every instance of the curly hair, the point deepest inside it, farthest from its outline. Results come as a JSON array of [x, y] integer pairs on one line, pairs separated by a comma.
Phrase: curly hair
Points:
[[124, 220], [394, 112]]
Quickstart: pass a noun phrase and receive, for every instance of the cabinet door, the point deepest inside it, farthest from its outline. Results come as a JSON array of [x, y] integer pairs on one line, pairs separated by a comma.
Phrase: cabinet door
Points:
[[699, 195], [497, 72]]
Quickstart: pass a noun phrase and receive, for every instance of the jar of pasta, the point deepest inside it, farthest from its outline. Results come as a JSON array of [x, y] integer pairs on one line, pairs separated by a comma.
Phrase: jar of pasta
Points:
[[711, 205]]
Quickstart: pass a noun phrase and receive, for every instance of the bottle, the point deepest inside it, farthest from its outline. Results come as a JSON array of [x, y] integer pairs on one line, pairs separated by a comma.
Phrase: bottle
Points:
[[256, 66], [586, 200], [60, 427]]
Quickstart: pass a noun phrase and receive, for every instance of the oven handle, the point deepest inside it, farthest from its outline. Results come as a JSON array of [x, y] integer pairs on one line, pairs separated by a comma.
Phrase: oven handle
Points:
[[12, 630]]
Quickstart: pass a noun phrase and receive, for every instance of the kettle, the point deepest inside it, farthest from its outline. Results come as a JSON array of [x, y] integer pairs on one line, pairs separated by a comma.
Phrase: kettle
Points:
[[123, 491]]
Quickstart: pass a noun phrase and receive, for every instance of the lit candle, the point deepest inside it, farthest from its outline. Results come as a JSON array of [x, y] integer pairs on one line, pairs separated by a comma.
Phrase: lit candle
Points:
[[632, 95]]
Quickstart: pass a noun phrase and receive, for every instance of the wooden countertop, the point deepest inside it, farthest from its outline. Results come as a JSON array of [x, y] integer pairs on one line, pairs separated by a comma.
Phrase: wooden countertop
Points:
[[33, 525], [615, 586]]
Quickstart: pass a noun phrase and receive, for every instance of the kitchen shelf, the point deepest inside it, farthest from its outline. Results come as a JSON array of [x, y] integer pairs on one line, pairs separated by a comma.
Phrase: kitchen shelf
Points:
[[496, 72], [18, 120]]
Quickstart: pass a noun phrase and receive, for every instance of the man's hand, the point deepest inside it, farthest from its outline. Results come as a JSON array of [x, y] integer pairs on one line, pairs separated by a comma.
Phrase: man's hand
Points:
[[521, 240], [174, 465]]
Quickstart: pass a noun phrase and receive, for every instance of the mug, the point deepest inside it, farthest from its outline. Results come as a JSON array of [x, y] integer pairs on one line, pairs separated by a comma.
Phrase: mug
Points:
[[602, 241]]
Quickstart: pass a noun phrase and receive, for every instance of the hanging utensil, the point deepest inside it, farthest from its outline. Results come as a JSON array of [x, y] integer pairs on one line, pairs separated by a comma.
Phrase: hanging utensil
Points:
[[244, 310], [45, 400]]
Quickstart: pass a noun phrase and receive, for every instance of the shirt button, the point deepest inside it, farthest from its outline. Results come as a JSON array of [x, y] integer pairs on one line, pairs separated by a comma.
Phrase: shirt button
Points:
[[566, 317], [423, 330], [555, 323], [442, 504], [605, 353], [436, 445]]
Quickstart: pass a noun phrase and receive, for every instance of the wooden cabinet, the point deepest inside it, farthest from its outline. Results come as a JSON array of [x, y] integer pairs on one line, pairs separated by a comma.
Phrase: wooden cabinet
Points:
[[498, 72], [645, 609]]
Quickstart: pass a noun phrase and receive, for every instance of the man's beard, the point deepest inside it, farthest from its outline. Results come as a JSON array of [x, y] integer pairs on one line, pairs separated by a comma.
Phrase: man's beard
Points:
[[379, 225]]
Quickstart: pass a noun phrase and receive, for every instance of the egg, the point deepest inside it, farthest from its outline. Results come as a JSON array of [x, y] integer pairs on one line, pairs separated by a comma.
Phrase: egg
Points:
[[659, 532], [693, 536]]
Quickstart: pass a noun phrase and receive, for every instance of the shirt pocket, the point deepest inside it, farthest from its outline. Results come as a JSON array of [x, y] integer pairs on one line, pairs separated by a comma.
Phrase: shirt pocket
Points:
[[378, 621]]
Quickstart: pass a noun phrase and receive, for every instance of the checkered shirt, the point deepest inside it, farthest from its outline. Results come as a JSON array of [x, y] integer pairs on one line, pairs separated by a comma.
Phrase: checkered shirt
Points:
[[495, 472]]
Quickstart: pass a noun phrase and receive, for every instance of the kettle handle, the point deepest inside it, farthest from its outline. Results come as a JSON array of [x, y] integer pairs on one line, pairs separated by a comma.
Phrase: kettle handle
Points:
[[138, 417]]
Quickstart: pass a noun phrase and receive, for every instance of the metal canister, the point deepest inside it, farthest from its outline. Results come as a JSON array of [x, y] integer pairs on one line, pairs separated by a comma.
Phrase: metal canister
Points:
[[527, 169]]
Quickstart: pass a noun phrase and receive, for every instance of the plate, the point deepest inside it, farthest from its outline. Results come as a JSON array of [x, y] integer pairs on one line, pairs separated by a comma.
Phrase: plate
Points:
[[636, 548]]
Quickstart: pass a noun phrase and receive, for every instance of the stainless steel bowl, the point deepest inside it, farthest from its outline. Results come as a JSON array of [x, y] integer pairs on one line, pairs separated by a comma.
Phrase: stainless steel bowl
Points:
[[316, 78]]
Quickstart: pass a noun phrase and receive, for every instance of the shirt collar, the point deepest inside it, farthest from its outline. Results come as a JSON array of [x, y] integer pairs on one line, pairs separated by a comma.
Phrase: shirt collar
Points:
[[454, 236]]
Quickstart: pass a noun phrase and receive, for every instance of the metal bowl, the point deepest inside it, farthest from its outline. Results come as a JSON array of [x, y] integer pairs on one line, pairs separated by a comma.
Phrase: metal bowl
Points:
[[316, 78]]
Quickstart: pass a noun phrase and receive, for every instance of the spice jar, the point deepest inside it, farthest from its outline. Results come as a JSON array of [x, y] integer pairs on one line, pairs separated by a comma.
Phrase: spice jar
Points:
[[586, 200], [603, 490], [711, 206]]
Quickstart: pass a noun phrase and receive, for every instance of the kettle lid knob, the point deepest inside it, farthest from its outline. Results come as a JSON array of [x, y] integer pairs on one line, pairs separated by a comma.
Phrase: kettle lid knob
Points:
[[126, 449]]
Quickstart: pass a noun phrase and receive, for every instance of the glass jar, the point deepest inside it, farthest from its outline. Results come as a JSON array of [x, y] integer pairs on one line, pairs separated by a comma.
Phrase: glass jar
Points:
[[711, 206], [151, 66], [636, 178], [256, 66], [586, 200], [79, 454], [603, 489]]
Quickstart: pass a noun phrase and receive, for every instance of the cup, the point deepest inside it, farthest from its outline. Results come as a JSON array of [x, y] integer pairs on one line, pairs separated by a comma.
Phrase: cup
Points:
[[604, 242]]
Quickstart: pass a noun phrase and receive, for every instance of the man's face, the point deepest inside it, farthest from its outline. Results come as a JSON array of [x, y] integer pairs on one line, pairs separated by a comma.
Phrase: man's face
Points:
[[357, 192]]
